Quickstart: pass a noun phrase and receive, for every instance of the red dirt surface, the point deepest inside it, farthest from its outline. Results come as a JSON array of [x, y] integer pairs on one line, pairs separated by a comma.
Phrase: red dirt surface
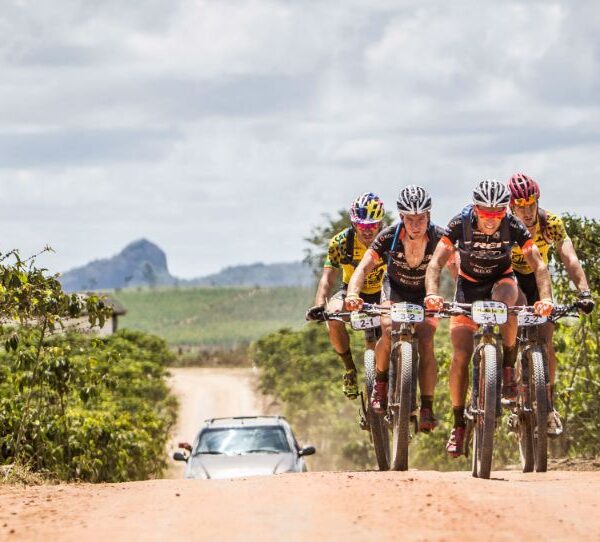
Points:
[[336, 506]]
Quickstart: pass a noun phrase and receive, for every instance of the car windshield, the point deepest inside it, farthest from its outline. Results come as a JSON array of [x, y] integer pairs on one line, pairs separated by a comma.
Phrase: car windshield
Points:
[[242, 440]]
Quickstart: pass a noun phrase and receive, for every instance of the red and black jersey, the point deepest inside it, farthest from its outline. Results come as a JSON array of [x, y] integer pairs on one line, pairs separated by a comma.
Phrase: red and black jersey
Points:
[[389, 246], [485, 257]]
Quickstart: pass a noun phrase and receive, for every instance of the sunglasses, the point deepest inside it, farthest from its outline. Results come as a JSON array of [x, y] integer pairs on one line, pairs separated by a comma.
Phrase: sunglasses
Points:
[[524, 202], [366, 227], [485, 213]]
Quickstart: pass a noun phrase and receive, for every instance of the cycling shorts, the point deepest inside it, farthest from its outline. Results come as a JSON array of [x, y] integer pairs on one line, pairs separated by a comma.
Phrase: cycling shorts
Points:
[[528, 285], [390, 292]]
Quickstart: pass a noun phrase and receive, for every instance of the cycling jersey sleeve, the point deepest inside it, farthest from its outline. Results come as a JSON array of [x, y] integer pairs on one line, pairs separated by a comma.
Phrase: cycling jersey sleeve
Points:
[[453, 231], [383, 242], [519, 234], [334, 253], [556, 228]]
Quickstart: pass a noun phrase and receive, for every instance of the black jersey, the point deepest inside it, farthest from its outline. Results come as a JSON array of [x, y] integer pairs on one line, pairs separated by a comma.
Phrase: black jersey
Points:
[[489, 256], [389, 246]]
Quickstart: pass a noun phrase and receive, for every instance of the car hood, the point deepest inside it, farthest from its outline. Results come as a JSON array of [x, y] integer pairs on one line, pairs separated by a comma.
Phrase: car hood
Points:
[[234, 466]]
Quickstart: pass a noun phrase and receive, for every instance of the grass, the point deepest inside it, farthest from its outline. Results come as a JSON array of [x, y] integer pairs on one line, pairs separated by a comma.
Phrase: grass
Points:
[[212, 316]]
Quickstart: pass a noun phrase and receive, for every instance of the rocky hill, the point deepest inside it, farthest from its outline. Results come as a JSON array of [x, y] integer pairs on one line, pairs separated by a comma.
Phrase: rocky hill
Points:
[[139, 263], [142, 263]]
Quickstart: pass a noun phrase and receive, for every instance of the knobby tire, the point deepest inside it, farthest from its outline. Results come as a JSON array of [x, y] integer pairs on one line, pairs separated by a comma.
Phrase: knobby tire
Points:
[[377, 426], [540, 409], [401, 413]]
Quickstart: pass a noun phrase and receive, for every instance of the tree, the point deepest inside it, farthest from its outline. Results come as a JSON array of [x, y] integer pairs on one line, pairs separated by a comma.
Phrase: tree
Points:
[[578, 346]]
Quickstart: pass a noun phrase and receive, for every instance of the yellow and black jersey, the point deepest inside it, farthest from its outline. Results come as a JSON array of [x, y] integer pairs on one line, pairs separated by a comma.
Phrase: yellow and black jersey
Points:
[[348, 258], [555, 233]]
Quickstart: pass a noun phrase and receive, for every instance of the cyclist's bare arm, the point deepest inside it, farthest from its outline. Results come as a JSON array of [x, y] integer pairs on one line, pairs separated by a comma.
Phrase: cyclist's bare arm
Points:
[[453, 265], [366, 265], [542, 275], [440, 258], [328, 279], [569, 258]]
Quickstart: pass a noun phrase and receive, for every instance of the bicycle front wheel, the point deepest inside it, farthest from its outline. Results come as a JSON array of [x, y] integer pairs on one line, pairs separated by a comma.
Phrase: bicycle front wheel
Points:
[[485, 423], [401, 406], [378, 428], [540, 409]]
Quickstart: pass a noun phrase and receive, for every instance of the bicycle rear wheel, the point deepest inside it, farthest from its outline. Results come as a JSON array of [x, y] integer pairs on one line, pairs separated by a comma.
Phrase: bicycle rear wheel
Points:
[[540, 409], [523, 411], [377, 426], [402, 406], [485, 422]]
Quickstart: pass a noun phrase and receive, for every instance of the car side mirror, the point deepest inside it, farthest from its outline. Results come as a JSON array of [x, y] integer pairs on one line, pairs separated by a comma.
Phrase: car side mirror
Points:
[[185, 446], [178, 456], [307, 450]]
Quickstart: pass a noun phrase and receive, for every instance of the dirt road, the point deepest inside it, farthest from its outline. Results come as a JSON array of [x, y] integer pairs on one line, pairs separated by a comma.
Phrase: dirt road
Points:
[[331, 506], [313, 506], [209, 393]]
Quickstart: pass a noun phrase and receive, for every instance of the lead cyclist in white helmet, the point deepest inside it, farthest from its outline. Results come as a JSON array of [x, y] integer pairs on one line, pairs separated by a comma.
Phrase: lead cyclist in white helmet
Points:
[[483, 234]]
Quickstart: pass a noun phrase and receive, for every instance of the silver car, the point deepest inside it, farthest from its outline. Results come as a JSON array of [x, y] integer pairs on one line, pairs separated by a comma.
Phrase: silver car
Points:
[[243, 446]]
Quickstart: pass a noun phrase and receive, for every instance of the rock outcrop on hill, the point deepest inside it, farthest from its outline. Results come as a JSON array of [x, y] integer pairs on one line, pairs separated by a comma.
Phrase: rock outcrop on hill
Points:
[[142, 263]]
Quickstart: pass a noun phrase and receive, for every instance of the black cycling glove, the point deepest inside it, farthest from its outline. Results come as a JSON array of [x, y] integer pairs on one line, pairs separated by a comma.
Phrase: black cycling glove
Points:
[[586, 303], [316, 313]]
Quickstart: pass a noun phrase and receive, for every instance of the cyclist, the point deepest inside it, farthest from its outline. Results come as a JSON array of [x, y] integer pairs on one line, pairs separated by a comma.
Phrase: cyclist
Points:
[[346, 250], [483, 234], [406, 248], [547, 230]]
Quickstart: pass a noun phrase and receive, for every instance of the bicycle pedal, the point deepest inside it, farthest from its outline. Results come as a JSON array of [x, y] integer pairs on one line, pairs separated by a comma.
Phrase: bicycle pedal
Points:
[[363, 423]]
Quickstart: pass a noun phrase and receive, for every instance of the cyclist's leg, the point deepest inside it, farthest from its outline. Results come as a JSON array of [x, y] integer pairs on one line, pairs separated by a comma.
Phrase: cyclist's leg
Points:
[[338, 336], [506, 290], [382, 355], [371, 338], [462, 330], [427, 372], [461, 335]]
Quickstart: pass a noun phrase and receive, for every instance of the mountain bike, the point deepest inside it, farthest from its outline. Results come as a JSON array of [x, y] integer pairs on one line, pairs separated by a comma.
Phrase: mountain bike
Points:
[[402, 377], [530, 414], [368, 320], [485, 406]]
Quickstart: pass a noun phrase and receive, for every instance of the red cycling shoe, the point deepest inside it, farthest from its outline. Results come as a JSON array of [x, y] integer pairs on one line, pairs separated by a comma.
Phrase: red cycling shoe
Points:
[[379, 396], [456, 443]]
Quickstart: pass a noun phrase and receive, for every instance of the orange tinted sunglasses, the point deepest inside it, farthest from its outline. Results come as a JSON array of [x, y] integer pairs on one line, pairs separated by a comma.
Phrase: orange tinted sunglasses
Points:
[[523, 202], [483, 213]]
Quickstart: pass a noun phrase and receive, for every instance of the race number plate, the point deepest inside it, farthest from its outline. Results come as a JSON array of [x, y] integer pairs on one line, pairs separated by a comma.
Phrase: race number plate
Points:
[[489, 312], [407, 313], [527, 319], [359, 320]]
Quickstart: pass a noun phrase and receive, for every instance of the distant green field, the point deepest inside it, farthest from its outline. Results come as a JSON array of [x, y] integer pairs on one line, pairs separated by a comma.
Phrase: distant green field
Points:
[[213, 316]]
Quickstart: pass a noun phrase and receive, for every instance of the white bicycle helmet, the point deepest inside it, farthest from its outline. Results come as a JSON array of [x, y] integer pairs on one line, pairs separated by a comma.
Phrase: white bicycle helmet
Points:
[[413, 200], [491, 193]]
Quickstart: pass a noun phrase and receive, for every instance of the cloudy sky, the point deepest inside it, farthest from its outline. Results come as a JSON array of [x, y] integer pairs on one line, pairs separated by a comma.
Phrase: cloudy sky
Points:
[[222, 130]]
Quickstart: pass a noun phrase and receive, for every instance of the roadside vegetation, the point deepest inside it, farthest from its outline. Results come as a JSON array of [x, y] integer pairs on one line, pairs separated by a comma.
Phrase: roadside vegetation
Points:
[[300, 369], [74, 406]]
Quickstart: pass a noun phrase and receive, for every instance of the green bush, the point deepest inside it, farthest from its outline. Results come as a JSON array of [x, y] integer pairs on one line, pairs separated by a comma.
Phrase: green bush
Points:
[[90, 409]]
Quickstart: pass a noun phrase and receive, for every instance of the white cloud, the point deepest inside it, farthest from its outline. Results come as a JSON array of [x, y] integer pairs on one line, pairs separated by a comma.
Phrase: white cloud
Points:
[[223, 129]]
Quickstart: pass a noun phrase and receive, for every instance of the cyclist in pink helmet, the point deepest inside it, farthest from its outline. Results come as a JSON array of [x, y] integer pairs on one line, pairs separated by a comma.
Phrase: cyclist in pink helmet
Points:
[[546, 230]]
